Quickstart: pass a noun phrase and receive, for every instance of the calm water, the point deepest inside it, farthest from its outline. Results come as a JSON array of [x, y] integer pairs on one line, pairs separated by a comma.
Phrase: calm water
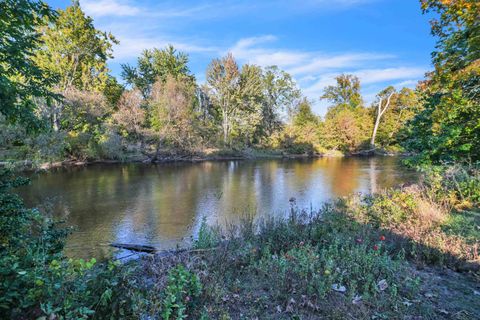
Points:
[[163, 205]]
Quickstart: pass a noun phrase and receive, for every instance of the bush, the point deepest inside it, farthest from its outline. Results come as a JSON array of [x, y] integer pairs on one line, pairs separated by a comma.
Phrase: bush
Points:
[[207, 237], [50, 146], [37, 280], [181, 294], [109, 146]]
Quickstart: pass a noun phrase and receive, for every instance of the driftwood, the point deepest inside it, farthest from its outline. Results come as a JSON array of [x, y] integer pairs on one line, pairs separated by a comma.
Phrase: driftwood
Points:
[[134, 247]]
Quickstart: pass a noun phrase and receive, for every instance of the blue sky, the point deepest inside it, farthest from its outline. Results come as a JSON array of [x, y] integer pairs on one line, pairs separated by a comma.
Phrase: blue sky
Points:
[[383, 42]]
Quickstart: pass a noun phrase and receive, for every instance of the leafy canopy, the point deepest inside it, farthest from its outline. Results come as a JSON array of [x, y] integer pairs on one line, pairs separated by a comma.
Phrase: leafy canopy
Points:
[[346, 92], [21, 79], [74, 51], [156, 64], [448, 129]]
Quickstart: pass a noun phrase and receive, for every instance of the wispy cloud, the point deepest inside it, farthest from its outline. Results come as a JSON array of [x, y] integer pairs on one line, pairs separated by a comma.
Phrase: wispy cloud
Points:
[[388, 74], [370, 76], [322, 62], [131, 47], [126, 8], [208, 9], [103, 8], [298, 63], [246, 50]]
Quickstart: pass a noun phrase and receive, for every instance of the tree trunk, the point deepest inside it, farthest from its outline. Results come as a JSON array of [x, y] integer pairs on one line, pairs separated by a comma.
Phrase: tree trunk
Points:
[[225, 128], [380, 112], [55, 119], [375, 128]]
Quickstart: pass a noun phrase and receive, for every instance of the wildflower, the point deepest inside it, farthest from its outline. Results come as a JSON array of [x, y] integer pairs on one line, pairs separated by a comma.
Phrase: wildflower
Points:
[[382, 238], [359, 240], [375, 247], [302, 243], [382, 285], [326, 272]]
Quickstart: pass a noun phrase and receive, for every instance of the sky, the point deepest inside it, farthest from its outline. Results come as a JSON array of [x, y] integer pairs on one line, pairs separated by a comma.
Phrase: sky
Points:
[[383, 42]]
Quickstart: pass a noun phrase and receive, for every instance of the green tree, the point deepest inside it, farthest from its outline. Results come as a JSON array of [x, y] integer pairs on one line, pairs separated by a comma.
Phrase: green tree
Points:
[[304, 115], [113, 91], [21, 79], [155, 65], [448, 127], [345, 94], [280, 94], [247, 121], [172, 114], [76, 53], [302, 134], [223, 79], [346, 130]]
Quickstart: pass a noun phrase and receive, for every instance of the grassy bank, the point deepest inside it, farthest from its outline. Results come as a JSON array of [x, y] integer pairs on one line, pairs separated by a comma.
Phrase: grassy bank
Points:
[[406, 253]]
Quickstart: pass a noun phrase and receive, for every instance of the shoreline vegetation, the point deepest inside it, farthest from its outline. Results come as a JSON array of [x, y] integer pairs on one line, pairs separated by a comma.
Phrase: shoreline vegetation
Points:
[[208, 155]]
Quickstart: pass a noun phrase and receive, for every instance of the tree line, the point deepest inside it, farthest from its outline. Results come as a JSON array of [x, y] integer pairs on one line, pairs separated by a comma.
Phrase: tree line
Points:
[[59, 100]]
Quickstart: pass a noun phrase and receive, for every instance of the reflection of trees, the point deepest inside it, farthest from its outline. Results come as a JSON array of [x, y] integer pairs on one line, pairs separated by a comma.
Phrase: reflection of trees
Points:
[[342, 174], [372, 174], [161, 204]]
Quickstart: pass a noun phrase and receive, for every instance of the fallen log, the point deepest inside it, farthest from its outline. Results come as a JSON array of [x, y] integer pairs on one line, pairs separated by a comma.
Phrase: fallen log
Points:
[[134, 247]]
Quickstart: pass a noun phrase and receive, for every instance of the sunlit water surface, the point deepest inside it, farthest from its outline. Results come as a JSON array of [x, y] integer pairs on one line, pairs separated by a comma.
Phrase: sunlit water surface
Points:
[[163, 205]]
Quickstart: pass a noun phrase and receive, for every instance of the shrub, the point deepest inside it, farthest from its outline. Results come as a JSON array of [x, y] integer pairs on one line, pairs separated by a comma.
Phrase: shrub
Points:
[[181, 294], [50, 146], [207, 237], [37, 280], [109, 146]]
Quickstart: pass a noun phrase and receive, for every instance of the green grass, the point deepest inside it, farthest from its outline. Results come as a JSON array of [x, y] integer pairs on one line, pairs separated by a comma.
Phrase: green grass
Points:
[[465, 224]]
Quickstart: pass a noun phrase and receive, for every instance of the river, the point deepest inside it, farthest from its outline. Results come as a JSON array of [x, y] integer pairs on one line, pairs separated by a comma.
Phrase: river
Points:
[[163, 205]]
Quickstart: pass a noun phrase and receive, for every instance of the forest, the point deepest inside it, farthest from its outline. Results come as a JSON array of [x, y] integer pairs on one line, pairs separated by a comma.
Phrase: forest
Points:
[[404, 253], [60, 102]]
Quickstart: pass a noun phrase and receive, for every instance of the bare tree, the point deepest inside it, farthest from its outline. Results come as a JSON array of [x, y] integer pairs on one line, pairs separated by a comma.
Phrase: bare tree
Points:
[[380, 111], [130, 115]]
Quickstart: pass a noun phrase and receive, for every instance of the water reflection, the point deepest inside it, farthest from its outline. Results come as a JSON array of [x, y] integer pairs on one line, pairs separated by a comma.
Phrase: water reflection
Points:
[[163, 205]]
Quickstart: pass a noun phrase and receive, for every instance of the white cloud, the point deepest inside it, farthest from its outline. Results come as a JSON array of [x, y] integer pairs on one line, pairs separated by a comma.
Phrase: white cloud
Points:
[[246, 50], [398, 73], [368, 76], [298, 63], [406, 83], [325, 62], [102, 8], [131, 47]]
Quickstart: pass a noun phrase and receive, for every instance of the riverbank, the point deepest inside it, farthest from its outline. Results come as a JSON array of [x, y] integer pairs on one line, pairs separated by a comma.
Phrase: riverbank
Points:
[[409, 253], [201, 156]]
